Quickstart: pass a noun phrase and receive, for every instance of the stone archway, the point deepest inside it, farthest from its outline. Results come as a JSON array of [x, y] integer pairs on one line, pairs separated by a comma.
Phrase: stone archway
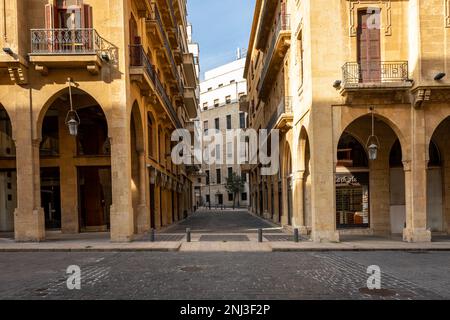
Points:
[[8, 174], [438, 180], [302, 185], [364, 189], [75, 172]]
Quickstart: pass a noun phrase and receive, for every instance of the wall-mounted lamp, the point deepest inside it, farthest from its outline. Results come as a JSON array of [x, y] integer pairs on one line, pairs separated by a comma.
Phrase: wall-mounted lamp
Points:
[[337, 84], [8, 50], [72, 118], [439, 76], [373, 144]]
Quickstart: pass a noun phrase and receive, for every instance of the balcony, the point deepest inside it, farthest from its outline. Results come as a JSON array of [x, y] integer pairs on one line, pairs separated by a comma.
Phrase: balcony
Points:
[[156, 30], [282, 118], [70, 48], [190, 101], [244, 104], [275, 55], [143, 73], [143, 7], [189, 70], [375, 76], [265, 23]]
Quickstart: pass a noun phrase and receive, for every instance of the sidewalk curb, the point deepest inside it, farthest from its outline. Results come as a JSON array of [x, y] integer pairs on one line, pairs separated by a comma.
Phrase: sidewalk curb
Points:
[[359, 249]]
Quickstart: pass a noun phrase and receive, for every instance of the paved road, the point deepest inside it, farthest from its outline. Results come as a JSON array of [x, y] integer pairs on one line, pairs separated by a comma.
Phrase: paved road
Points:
[[253, 276], [218, 221]]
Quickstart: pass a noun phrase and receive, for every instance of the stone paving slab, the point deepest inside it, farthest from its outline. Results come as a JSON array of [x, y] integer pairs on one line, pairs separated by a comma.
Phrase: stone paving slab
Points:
[[225, 247], [359, 246], [90, 247]]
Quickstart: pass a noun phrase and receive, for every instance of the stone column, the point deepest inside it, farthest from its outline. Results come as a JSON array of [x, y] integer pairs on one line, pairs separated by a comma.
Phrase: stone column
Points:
[[29, 217], [157, 206], [446, 194], [122, 224], [269, 197], [143, 217], [298, 219], [284, 199], [68, 177], [276, 200], [416, 187]]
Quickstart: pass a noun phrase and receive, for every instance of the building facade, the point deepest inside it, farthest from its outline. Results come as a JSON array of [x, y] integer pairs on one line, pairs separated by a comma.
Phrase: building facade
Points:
[[327, 73], [219, 102], [132, 82]]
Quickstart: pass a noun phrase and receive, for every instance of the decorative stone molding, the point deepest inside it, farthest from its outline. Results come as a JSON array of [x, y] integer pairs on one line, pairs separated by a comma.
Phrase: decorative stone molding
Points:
[[422, 96], [384, 5], [447, 13]]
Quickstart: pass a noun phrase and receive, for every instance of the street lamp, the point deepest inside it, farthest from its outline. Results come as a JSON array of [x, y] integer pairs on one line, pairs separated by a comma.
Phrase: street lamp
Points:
[[373, 144], [72, 118]]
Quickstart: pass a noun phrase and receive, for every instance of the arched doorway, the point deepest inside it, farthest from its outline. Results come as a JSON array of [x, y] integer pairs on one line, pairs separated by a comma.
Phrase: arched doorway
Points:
[[8, 176], [370, 195], [438, 180], [76, 191]]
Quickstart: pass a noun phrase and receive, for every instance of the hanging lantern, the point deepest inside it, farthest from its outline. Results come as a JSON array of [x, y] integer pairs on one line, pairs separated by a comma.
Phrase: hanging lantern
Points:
[[72, 118], [373, 151], [373, 144]]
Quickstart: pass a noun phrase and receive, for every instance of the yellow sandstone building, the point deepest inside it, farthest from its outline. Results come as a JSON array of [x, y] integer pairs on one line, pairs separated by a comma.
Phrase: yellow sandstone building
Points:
[[320, 71], [132, 82]]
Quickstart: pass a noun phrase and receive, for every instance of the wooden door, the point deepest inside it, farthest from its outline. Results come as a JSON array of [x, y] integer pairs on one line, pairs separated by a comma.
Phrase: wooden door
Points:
[[369, 52]]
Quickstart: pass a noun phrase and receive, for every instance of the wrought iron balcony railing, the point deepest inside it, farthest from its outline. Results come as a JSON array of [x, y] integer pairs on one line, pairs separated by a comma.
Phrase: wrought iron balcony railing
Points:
[[284, 108], [138, 58], [173, 66], [355, 73], [284, 24], [70, 42]]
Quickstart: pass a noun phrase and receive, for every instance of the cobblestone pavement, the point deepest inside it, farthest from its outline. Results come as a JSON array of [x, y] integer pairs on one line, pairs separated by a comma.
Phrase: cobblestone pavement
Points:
[[252, 276], [222, 221]]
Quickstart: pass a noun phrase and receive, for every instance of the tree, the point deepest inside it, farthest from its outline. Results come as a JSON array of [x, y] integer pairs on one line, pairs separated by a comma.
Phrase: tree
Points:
[[235, 185]]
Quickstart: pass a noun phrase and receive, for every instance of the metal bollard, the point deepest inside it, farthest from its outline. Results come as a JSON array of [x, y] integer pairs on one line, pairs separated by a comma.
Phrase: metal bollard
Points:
[[188, 235], [296, 235], [260, 235], [152, 235]]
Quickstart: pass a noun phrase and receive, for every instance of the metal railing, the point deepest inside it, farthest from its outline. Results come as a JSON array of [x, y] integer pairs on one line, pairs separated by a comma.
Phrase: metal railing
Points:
[[284, 24], [284, 107], [158, 20], [70, 42], [138, 58], [374, 72]]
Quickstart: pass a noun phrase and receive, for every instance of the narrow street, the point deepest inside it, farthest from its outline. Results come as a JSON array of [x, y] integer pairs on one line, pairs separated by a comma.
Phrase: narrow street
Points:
[[223, 221]]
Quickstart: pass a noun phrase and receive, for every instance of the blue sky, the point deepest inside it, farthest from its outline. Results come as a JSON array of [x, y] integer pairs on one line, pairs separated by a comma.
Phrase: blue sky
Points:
[[220, 27]]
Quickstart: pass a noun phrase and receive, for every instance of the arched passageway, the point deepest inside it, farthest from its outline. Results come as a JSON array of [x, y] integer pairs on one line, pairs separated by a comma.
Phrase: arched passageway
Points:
[[8, 176], [76, 192], [370, 194], [438, 180]]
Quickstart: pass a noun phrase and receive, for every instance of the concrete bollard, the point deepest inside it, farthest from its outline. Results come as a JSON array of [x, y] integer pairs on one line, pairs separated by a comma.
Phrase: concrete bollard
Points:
[[188, 235], [260, 235], [152, 235], [296, 235]]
